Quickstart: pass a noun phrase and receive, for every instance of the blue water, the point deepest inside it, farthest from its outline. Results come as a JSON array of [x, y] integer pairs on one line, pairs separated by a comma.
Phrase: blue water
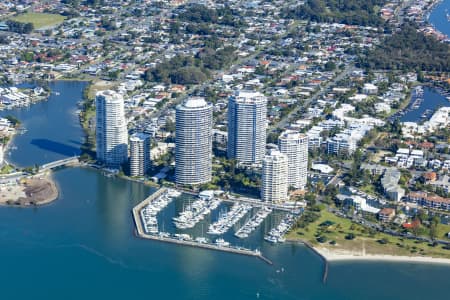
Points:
[[438, 17], [83, 246], [53, 129], [432, 101]]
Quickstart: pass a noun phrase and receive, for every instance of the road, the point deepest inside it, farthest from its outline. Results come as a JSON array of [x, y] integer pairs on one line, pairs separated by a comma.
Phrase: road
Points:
[[238, 63], [288, 118]]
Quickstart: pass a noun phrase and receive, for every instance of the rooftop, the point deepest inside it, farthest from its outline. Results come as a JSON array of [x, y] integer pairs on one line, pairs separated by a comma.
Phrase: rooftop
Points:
[[195, 102], [245, 96], [139, 136], [292, 135]]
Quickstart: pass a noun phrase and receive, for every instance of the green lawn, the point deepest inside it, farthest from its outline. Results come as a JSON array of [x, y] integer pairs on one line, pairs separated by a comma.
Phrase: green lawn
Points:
[[6, 169], [366, 240], [40, 20]]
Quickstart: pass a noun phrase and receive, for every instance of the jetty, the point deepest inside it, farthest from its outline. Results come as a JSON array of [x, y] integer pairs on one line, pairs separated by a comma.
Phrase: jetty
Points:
[[149, 199], [253, 223], [261, 204], [324, 259], [140, 231]]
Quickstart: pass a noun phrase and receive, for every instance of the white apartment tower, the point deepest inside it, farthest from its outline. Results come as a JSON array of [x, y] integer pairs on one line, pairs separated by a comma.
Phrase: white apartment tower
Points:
[[295, 146], [247, 119], [193, 142], [274, 177], [139, 154], [111, 129]]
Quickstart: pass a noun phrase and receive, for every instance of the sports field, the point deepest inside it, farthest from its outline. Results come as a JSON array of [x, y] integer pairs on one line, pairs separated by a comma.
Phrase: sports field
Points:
[[40, 20]]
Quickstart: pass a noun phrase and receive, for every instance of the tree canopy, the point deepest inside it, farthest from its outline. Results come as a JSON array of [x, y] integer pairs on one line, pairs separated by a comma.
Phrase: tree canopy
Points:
[[409, 49], [352, 12]]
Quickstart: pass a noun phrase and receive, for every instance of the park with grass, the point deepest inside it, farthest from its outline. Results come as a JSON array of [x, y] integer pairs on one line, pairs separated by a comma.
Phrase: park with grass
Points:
[[323, 229], [40, 20]]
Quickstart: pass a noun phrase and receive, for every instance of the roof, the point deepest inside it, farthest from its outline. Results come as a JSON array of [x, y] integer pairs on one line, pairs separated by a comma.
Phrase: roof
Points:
[[195, 102], [139, 136], [292, 135], [322, 168], [430, 175], [387, 211], [430, 198]]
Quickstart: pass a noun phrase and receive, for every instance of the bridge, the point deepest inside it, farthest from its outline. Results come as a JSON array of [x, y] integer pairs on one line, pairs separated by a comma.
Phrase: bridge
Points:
[[60, 163]]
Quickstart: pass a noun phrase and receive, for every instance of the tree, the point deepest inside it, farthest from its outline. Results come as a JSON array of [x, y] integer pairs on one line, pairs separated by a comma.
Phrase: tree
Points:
[[409, 49], [330, 66], [331, 191], [433, 227], [310, 198], [20, 27], [4, 40], [170, 126], [13, 120], [350, 236], [320, 187]]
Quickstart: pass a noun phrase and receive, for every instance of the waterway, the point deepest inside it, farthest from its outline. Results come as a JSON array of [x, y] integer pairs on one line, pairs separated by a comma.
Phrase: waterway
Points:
[[439, 19], [83, 246], [53, 130], [432, 100]]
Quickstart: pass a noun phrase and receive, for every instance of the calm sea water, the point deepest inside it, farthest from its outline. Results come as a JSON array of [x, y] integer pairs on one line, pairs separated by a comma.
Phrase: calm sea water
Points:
[[439, 19], [83, 246], [53, 129], [431, 101]]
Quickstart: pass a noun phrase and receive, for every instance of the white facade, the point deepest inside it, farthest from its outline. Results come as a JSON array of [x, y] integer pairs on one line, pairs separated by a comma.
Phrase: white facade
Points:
[[275, 177], [193, 142], [139, 154], [1, 155], [295, 146], [247, 120], [111, 129], [341, 143], [440, 119]]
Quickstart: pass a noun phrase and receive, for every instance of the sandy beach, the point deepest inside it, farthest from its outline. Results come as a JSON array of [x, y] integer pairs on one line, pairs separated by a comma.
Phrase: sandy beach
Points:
[[343, 255]]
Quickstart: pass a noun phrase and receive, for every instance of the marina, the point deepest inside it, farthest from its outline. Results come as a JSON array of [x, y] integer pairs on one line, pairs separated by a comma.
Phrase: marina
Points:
[[276, 235], [253, 223], [424, 101], [118, 260], [228, 219], [196, 211], [295, 207], [154, 206], [219, 244], [14, 97]]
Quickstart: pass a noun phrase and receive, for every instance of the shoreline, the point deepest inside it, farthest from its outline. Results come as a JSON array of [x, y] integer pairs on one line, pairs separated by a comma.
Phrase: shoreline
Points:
[[6, 149], [427, 16], [341, 255], [33, 191]]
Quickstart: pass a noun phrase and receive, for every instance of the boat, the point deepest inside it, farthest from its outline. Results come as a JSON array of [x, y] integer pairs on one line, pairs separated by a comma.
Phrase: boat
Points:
[[270, 239], [149, 213], [222, 243], [201, 240], [183, 236], [276, 235], [228, 219], [173, 193], [195, 212], [164, 234], [253, 223]]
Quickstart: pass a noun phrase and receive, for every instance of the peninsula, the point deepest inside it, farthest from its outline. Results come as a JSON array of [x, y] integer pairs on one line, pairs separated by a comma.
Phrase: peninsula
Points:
[[36, 190]]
